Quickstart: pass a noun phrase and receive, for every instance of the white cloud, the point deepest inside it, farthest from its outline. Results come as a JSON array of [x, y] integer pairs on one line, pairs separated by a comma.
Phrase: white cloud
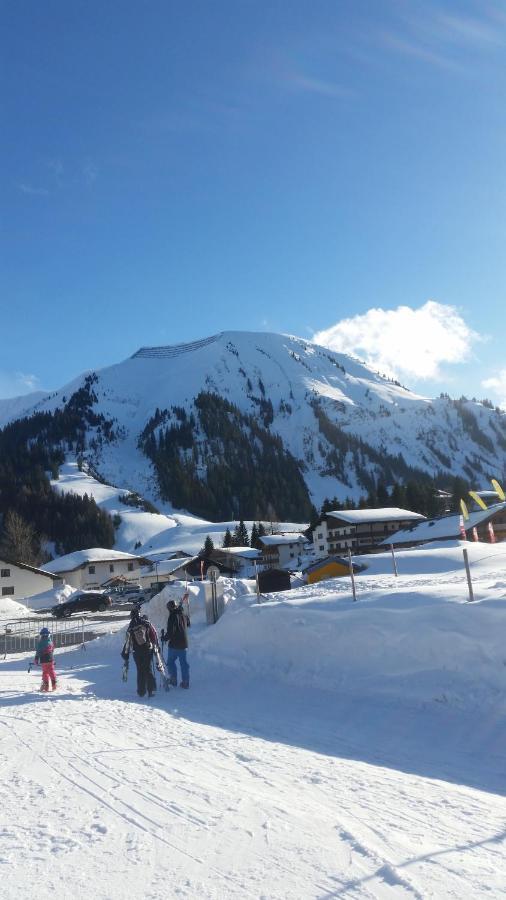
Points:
[[309, 84], [404, 342], [33, 191], [89, 173], [497, 384], [16, 384]]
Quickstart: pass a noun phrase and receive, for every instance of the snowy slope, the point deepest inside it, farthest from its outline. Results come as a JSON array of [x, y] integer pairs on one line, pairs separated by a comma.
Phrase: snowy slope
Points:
[[388, 782], [292, 374], [145, 533]]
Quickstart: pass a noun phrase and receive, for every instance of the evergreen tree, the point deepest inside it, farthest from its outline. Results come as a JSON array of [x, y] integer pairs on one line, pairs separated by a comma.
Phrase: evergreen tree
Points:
[[208, 547], [254, 536], [19, 542], [313, 520], [241, 536], [398, 497], [459, 490], [382, 496], [227, 540]]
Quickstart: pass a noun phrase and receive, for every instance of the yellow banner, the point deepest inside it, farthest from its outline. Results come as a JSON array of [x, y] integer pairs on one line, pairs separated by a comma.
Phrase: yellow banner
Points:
[[477, 499], [498, 489], [464, 510]]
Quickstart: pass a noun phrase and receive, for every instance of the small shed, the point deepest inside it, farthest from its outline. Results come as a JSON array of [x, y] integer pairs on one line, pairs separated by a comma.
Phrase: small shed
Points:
[[330, 567], [273, 580]]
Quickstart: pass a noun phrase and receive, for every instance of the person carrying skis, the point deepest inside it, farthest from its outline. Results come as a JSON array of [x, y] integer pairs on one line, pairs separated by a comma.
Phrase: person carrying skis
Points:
[[44, 654], [142, 640], [176, 635]]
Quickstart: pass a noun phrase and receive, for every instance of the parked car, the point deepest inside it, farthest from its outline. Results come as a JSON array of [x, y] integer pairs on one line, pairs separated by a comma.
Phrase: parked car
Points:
[[84, 601], [127, 593]]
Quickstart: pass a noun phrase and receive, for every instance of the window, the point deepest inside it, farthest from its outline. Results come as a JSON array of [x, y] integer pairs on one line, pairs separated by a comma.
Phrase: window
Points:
[[292, 555], [6, 573], [111, 567], [6, 591], [130, 567], [321, 547], [91, 570], [320, 536]]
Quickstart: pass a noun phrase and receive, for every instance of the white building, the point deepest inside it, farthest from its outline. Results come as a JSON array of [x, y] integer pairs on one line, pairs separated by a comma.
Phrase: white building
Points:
[[239, 560], [164, 571], [359, 529], [19, 581], [88, 569], [283, 550]]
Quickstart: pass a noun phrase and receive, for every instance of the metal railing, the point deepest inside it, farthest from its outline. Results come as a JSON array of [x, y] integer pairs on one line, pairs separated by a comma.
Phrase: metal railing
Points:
[[21, 635]]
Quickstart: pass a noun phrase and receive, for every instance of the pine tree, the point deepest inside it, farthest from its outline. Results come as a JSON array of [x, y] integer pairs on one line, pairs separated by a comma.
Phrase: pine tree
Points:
[[208, 547], [254, 536], [19, 541], [241, 536], [382, 496], [227, 540]]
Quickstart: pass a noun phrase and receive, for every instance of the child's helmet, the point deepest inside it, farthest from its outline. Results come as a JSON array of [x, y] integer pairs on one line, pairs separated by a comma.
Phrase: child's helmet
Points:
[[44, 631]]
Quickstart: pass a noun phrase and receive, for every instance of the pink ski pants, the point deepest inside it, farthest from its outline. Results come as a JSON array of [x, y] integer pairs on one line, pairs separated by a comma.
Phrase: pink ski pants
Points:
[[48, 672]]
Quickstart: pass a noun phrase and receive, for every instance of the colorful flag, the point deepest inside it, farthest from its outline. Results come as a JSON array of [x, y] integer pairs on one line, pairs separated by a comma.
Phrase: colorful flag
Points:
[[462, 529], [491, 533], [477, 499], [475, 534], [464, 509], [498, 489]]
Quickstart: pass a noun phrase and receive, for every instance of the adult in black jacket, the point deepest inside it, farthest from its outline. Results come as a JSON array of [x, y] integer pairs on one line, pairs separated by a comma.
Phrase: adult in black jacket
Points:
[[142, 640], [176, 636]]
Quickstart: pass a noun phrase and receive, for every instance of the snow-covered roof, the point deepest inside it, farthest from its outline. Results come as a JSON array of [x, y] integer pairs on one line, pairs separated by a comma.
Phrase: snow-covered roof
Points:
[[442, 528], [388, 514], [274, 540], [167, 566], [84, 557], [247, 552], [21, 565]]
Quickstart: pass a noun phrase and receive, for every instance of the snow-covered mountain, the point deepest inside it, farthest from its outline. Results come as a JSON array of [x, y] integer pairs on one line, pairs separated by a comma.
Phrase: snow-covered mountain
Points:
[[344, 425]]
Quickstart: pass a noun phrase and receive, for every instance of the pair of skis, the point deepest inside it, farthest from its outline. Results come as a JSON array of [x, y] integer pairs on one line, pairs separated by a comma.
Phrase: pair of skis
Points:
[[160, 665], [164, 678]]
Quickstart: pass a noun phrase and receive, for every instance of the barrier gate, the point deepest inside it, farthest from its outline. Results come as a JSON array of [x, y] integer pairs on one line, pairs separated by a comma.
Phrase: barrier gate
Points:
[[21, 635]]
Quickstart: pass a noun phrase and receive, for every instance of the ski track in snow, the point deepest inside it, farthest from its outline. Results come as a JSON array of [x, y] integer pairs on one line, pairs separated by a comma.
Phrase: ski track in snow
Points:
[[228, 791]]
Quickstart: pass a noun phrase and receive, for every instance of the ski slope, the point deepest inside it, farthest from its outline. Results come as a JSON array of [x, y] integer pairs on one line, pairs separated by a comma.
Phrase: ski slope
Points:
[[145, 533], [300, 763]]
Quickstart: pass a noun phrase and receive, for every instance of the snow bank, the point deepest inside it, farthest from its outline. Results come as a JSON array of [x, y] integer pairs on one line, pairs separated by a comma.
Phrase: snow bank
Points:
[[233, 588], [413, 645], [48, 598]]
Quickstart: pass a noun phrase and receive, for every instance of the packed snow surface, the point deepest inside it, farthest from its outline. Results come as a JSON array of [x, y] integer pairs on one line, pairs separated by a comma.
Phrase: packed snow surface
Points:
[[325, 749]]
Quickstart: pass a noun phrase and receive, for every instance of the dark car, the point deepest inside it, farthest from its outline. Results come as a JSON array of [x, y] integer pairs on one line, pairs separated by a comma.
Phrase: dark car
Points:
[[84, 601]]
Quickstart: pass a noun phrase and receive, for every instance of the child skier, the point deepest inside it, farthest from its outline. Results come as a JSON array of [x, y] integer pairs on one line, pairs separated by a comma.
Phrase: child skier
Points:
[[44, 654]]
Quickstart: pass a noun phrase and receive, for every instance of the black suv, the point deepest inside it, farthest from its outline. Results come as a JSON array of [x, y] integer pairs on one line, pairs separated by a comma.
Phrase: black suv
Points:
[[84, 601]]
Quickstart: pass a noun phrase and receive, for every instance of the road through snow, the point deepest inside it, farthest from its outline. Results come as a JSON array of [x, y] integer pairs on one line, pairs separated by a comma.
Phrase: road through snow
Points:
[[242, 789]]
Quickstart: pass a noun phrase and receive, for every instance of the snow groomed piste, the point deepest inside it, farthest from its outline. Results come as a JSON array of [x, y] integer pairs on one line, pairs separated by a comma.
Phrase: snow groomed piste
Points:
[[326, 749]]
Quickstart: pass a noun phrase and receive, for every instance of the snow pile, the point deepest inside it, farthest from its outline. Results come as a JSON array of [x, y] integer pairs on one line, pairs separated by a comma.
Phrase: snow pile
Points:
[[416, 640], [49, 598], [156, 609], [11, 609]]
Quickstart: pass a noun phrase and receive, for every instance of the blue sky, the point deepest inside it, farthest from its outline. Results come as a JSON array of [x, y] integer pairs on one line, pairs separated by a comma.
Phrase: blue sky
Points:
[[169, 170]]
